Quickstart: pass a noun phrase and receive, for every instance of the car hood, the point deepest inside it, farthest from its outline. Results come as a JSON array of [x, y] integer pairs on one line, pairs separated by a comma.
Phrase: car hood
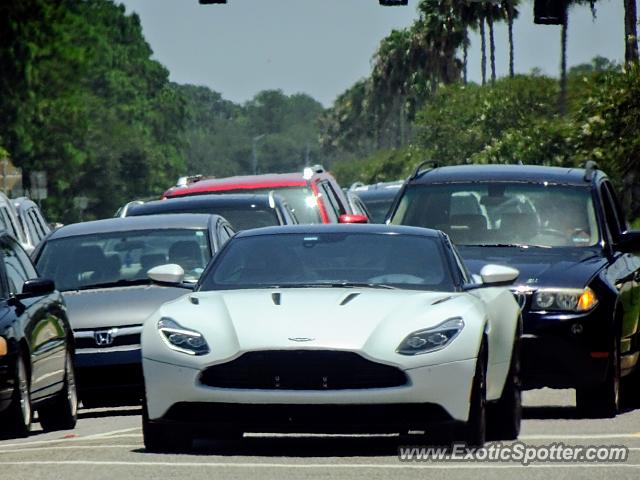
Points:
[[342, 318], [539, 267], [116, 307]]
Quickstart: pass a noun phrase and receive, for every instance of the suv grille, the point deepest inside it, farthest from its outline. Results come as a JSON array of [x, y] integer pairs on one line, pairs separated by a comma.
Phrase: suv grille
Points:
[[302, 370]]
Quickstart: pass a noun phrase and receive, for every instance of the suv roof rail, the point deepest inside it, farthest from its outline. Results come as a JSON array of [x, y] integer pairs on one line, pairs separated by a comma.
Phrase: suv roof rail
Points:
[[420, 169], [590, 168]]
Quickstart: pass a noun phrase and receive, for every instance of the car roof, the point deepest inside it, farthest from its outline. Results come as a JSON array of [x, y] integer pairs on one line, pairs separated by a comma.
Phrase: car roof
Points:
[[502, 173], [186, 221], [217, 200], [377, 187], [24, 202], [274, 180], [369, 228]]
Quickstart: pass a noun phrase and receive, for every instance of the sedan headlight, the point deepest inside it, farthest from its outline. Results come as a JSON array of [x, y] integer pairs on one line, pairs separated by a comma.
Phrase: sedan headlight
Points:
[[431, 339], [564, 299], [181, 339]]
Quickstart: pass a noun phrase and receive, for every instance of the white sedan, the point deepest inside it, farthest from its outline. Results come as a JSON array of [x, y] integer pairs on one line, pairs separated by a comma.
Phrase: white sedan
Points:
[[358, 328]]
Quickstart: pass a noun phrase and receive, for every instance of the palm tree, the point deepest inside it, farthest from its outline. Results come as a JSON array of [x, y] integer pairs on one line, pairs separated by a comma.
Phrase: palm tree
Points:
[[509, 7], [630, 32], [470, 15]]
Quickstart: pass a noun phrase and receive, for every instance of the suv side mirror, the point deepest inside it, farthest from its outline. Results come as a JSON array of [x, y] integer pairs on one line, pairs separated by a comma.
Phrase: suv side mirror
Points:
[[36, 287], [353, 218], [629, 242]]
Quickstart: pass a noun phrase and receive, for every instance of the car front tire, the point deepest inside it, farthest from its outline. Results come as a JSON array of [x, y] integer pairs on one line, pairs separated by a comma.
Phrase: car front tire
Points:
[[474, 433], [160, 438], [603, 401], [16, 420]]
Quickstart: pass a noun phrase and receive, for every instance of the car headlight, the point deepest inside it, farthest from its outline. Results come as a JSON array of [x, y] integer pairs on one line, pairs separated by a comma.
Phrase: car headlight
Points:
[[181, 339], [431, 339], [564, 299]]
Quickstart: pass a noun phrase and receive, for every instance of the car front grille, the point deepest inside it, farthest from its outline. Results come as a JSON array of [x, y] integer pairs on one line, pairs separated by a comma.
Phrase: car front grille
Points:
[[108, 337], [302, 370]]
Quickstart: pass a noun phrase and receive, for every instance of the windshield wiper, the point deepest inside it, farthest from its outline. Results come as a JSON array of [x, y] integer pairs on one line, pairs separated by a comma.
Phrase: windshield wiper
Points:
[[117, 283]]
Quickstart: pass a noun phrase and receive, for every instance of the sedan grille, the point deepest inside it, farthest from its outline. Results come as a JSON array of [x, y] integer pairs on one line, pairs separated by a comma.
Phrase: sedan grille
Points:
[[302, 370]]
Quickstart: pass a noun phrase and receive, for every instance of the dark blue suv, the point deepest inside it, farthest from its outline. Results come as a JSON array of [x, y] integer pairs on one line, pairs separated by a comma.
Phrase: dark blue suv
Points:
[[565, 230]]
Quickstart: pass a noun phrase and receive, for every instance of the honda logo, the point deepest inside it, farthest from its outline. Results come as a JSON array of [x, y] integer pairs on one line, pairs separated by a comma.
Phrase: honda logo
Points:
[[104, 338]]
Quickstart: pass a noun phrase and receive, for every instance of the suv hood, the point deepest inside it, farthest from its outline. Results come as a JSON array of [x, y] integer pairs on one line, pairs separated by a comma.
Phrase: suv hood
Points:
[[540, 267], [115, 307]]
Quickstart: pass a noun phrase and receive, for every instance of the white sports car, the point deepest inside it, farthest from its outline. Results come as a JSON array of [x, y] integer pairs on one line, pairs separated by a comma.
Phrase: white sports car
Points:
[[358, 328]]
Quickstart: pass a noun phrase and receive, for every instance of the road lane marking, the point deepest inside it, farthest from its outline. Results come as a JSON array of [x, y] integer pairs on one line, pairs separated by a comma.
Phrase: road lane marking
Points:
[[318, 465], [70, 447], [98, 436], [585, 436]]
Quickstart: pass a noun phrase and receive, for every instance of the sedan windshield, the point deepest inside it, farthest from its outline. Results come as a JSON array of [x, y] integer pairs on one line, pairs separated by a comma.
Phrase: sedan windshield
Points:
[[122, 258], [331, 260], [503, 214]]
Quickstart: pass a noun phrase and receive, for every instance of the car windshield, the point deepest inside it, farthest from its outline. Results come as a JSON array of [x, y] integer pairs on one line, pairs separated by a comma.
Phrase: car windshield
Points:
[[331, 260], [378, 207], [503, 213], [241, 217], [301, 200], [121, 258]]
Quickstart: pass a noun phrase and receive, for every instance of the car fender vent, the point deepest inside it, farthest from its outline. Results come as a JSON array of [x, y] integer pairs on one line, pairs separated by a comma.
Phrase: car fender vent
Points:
[[276, 298], [442, 300], [348, 298]]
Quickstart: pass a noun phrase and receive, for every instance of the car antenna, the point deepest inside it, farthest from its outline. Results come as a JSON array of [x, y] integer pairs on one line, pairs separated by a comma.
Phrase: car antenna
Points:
[[423, 167], [590, 168]]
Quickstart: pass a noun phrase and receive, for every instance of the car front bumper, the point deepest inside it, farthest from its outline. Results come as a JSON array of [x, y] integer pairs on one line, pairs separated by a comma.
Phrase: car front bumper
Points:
[[433, 395], [565, 350]]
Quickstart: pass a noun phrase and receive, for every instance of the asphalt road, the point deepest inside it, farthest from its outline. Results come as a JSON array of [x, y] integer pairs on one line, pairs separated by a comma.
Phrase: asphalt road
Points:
[[107, 444]]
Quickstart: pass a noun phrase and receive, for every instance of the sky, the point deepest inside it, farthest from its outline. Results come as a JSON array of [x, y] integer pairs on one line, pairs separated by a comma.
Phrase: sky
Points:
[[322, 47]]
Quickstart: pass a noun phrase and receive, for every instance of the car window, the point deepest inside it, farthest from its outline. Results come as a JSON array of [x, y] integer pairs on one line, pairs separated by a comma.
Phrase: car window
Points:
[[107, 258], [616, 220], [17, 274], [329, 202], [499, 213], [298, 260], [31, 227], [8, 223]]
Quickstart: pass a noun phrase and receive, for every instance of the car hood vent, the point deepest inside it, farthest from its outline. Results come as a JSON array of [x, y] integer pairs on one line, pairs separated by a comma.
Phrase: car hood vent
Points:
[[349, 297]]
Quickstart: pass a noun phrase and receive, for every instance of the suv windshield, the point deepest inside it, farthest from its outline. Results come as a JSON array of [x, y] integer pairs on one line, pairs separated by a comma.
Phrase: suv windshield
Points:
[[90, 261], [330, 260], [301, 200], [503, 213]]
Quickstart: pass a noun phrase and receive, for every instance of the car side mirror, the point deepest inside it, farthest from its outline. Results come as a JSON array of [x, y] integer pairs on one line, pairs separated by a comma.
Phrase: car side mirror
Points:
[[353, 218], [496, 275], [629, 242], [171, 273], [36, 287]]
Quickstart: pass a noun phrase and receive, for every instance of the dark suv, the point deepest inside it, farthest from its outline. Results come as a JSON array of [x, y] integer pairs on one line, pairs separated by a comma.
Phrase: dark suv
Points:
[[565, 231]]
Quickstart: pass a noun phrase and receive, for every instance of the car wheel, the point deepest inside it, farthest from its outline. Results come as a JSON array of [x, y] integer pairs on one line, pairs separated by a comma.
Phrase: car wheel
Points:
[[16, 420], [62, 412], [603, 401], [159, 438], [475, 430], [505, 415], [630, 389]]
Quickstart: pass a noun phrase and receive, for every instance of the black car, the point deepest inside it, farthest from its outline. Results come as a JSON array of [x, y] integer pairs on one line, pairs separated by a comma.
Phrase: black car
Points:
[[36, 348], [243, 211], [101, 268], [377, 198], [565, 231]]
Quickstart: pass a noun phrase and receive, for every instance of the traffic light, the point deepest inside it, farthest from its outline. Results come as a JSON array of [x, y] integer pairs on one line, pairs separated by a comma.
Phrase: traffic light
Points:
[[550, 12], [393, 3]]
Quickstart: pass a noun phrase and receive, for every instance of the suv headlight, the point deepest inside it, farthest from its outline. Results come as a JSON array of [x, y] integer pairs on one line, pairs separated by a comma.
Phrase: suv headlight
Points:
[[181, 339], [431, 339], [564, 299]]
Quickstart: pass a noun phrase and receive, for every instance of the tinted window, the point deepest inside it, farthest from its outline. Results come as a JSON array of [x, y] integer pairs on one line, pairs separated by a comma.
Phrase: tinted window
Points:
[[503, 213], [329, 202], [17, 270], [299, 260], [88, 260], [8, 224]]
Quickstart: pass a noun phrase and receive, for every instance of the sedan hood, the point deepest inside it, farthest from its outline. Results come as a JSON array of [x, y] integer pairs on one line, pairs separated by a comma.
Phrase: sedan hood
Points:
[[539, 267], [342, 318], [116, 307]]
